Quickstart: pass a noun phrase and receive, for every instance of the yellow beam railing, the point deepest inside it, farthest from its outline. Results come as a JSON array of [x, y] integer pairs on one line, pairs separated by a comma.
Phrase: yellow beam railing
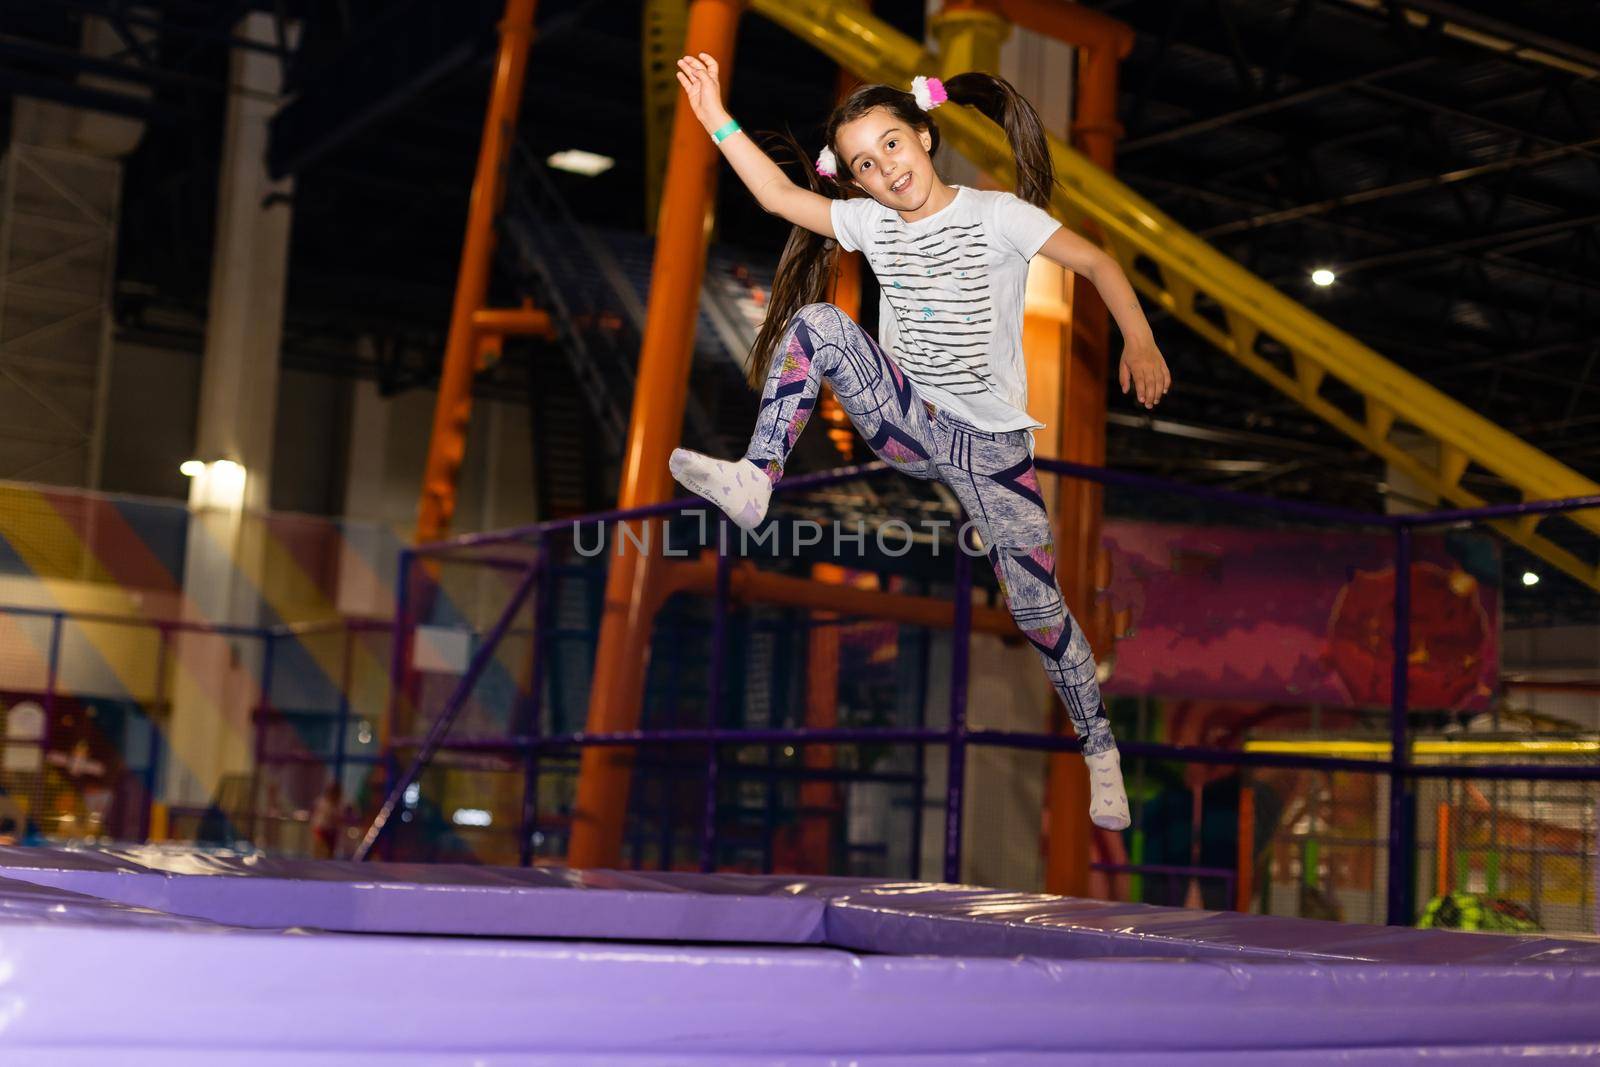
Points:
[[665, 23], [1175, 268]]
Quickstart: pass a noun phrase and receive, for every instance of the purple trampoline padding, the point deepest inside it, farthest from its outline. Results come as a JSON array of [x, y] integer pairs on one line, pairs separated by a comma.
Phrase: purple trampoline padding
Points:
[[959, 920], [885, 917], [338, 998], [27, 902], [263, 893], [173, 990]]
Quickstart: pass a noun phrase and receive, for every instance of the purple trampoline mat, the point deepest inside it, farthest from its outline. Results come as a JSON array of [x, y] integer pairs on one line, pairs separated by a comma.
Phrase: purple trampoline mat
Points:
[[862, 914], [196, 958]]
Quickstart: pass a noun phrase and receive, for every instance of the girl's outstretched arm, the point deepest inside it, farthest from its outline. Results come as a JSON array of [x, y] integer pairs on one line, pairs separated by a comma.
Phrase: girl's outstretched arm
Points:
[[1142, 368], [766, 181]]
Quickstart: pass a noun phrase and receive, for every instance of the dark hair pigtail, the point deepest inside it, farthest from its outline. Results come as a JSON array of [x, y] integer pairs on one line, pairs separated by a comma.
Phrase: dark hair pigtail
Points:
[[802, 276], [997, 99]]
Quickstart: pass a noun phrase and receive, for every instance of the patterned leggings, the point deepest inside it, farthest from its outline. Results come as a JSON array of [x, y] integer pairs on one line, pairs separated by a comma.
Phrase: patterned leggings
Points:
[[991, 474]]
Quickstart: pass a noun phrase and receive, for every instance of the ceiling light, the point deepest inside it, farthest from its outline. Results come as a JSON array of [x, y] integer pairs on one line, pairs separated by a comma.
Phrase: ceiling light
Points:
[[577, 161], [1529, 578], [1322, 276]]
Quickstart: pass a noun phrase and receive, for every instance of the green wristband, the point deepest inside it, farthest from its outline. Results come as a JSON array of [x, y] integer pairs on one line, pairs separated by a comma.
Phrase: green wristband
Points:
[[725, 132]]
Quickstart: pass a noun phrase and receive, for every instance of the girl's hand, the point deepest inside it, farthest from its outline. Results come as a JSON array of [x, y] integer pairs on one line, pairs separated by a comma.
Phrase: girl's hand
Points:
[[698, 76], [1145, 370]]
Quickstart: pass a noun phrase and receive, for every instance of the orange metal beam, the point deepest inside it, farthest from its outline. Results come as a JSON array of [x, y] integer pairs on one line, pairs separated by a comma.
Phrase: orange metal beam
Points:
[[820, 800], [655, 428], [1072, 23], [1245, 885], [1068, 22], [1065, 336], [844, 292], [844, 289], [462, 350], [1442, 877], [492, 326], [1102, 43], [512, 322]]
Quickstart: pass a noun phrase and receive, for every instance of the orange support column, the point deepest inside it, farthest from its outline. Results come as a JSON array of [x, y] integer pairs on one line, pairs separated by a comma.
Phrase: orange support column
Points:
[[454, 406], [820, 799], [1065, 336], [1442, 880], [655, 428], [1102, 44], [844, 289], [1245, 886], [844, 292]]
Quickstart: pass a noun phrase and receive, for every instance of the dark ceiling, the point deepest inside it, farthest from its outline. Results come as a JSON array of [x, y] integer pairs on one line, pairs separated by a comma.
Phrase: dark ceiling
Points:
[[388, 99], [1443, 158], [1455, 191]]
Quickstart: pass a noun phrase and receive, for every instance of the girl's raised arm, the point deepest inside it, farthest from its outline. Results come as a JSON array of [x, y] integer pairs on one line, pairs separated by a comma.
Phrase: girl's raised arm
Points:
[[766, 181]]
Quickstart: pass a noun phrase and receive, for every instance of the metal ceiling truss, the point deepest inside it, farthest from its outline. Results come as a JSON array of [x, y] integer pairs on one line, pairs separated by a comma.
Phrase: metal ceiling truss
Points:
[[1532, 281]]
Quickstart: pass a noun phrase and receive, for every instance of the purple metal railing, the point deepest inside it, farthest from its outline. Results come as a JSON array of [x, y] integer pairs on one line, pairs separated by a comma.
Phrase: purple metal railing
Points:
[[719, 649], [166, 629], [1402, 809], [956, 736], [458, 697]]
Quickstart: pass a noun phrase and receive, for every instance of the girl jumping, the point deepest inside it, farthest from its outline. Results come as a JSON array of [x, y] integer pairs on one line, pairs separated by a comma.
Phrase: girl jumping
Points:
[[944, 396]]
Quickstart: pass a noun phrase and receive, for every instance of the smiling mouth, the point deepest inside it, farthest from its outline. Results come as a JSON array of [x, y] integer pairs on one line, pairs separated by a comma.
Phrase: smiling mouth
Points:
[[902, 185]]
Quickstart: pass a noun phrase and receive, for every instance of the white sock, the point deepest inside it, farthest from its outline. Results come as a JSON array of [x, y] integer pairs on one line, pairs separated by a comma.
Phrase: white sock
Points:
[[1108, 798], [739, 488]]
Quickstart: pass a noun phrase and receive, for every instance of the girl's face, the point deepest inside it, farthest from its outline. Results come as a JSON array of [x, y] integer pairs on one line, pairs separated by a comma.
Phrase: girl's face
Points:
[[887, 159]]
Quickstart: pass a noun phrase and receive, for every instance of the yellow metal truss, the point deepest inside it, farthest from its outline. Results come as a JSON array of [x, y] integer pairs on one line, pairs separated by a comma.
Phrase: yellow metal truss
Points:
[[665, 23], [1347, 384]]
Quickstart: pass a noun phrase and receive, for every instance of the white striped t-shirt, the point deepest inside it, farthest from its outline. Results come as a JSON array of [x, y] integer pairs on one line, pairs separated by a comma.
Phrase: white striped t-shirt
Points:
[[952, 290]]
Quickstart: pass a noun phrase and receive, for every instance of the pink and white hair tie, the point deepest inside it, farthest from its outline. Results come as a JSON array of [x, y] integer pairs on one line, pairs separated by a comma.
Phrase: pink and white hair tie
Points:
[[827, 163], [929, 92]]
